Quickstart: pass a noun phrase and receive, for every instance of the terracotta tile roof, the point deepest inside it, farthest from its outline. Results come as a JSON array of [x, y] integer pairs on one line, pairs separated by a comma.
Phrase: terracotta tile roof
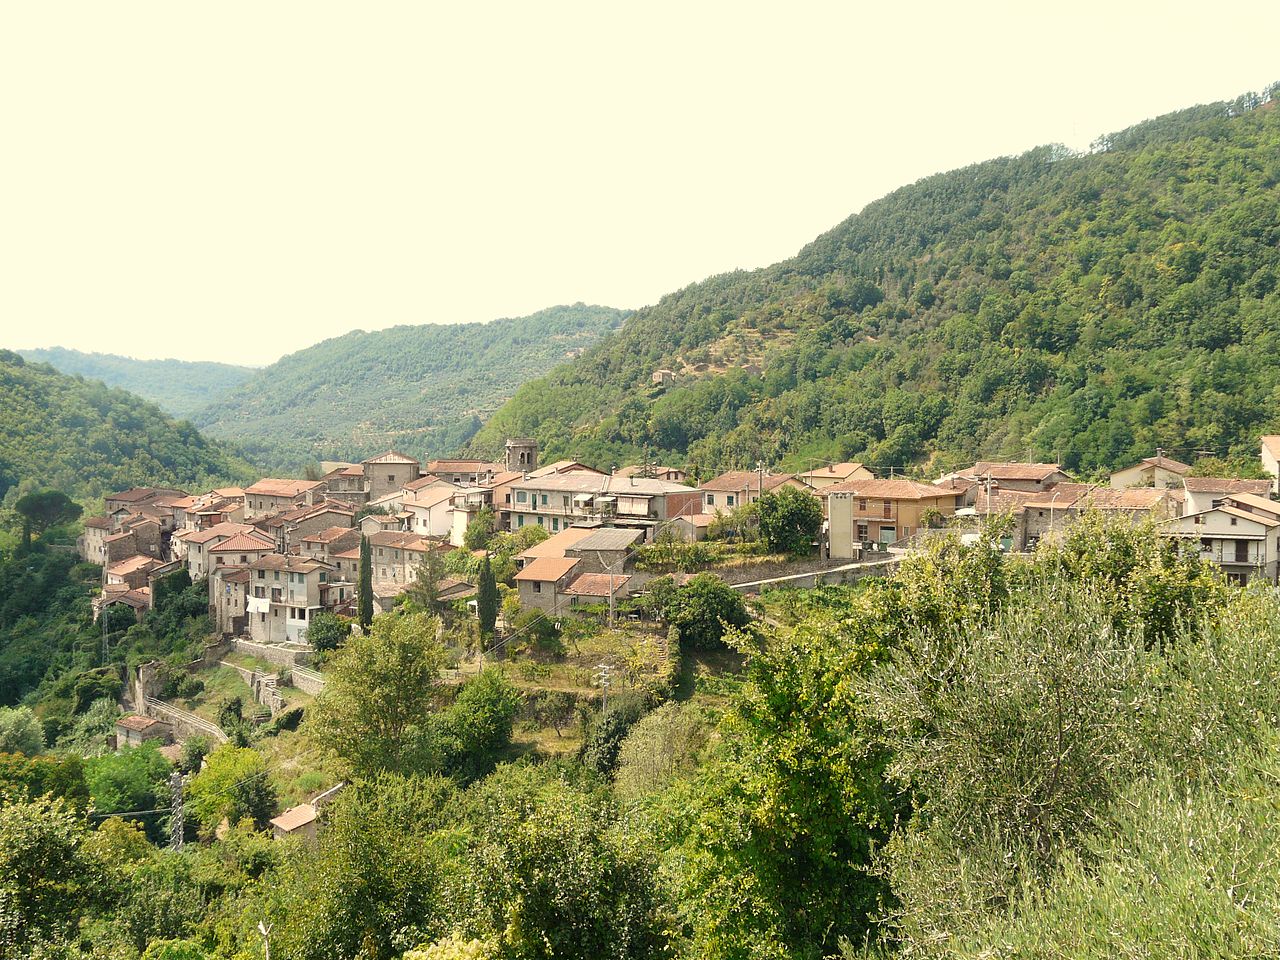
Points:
[[1167, 463], [738, 480], [556, 544], [117, 537], [596, 584], [609, 538], [461, 466], [392, 538], [424, 481], [186, 503], [288, 562], [330, 534], [218, 530], [838, 471], [234, 575], [430, 498], [505, 477], [698, 520], [888, 490], [138, 723], [295, 817], [231, 493], [547, 569], [1226, 485], [244, 543], [636, 470], [391, 456], [98, 523], [132, 565], [1253, 501], [137, 494], [1272, 443], [278, 487], [999, 470], [1132, 498], [564, 466], [138, 599]]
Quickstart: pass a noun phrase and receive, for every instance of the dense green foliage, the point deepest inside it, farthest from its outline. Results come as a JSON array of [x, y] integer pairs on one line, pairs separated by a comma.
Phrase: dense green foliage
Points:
[[87, 439], [789, 520], [1082, 307], [422, 389], [178, 387]]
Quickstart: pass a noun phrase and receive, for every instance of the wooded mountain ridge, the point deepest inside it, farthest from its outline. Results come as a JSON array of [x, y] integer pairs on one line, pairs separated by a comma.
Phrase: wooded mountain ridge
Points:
[[1082, 308]]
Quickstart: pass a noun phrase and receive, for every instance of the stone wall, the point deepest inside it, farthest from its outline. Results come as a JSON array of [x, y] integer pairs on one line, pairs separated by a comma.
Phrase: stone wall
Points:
[[282, 656], [844, 574], [264, 686], [308, 681]]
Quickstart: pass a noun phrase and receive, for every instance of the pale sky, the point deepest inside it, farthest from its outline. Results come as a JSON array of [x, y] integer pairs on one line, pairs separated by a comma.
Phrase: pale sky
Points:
[[233, 181]]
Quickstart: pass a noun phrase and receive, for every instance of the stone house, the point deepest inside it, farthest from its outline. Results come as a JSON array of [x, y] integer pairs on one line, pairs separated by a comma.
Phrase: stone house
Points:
[[332, 540], [91, 545], [562, 500], [462, 472], [133, 730], [132, 572], [136, 497], [275, 495], [285, 593], [605, 550], [1049, 512], [542, 584], [347, 482], [228, 596], [1031, 477], [388, 472]]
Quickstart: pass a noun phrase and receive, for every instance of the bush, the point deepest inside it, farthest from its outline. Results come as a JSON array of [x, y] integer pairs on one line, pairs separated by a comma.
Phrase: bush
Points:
[[790, 520], [703, 608]]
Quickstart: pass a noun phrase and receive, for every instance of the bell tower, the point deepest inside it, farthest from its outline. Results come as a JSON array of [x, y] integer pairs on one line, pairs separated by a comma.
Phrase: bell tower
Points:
[[522, 454]]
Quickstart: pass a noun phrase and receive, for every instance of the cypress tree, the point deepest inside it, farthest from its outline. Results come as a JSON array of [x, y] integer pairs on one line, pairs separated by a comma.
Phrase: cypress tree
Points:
[[365, 589], [487, 599]]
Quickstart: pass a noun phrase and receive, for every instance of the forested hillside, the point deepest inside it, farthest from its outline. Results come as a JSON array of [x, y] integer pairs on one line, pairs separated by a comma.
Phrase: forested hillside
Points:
[[85, 438], [1085, 308], [422, 389], [178, 387]]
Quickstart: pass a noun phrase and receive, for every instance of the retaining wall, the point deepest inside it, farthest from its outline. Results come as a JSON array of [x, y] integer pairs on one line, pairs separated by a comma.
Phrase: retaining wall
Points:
[[308, 681], [281, 656]]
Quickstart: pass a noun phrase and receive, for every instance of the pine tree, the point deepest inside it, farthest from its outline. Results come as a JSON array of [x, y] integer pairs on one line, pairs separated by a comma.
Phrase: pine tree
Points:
[[365, 592], [487, 599]]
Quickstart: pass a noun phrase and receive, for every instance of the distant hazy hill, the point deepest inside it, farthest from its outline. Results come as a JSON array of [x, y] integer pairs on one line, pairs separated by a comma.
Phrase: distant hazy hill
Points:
[[179, 387], [86, 438], [422, 389], [1088, 307]]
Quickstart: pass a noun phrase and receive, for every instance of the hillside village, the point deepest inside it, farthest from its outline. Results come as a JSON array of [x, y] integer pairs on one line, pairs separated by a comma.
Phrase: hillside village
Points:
[[279, 551]]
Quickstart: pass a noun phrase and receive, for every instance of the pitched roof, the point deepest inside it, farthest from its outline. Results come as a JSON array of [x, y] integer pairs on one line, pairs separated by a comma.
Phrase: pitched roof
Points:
[[556, 544], [288, 562], [281, 487], [547, 569], [99, 523], [1226, 485], [295, 817], [1166, 463], [1059, 496], [1001, 501], [132, 565], [564, 466], [838, 471], [999, 470], [1132, 498], [391, 456], [138, 599], [1254, 517], [596, 584], [1272, 443], [430, 498], [138, 723], [461, 466], [413, 486], [330, 534], [243, 543], [136, 494], [736, 480], [609, 538], [228, 529], [1252, 500], [396, 539], [888, 489], [506, 476]]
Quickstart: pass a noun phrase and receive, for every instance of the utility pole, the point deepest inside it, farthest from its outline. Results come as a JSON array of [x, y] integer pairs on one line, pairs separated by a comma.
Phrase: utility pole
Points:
[[177, 814], [265, 929], [602, 679]]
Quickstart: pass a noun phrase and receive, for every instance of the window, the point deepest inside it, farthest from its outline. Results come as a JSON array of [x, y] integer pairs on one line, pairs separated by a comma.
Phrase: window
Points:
[[862, 533], [728, 500], [565, 498], [391, 478], [711, 499], [862, 504], [322, 576], [522, 496], [1233, 521], [244, 558], [221, 561], [888, 508], [540, 521], [1242, 551], [276, 575], [555, 523], [544, 499]]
